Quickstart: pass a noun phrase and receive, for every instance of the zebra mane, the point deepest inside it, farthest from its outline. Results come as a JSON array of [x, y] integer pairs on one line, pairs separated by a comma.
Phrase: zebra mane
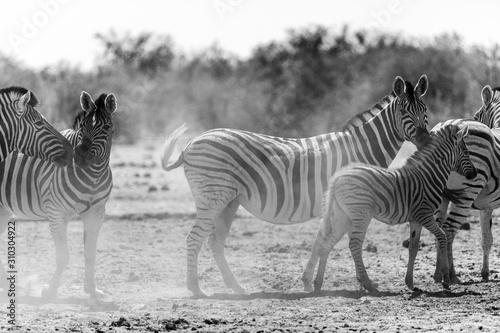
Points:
[[409, 91], [363, 117], [18, 92], [78, 119], [99, 103], [430, 148]]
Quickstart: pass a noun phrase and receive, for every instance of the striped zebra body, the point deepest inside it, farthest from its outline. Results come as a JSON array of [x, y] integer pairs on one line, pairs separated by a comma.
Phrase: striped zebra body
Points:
[[482, 193], [282, 180], [360, 192], [34, 189], [24, 129]]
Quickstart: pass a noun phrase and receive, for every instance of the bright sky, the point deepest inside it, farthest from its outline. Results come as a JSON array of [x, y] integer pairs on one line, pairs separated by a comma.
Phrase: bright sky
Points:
[[44, 32]]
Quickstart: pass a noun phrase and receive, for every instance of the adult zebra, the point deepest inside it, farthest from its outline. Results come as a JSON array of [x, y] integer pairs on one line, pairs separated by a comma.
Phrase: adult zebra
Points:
[[23, 128], [34, 189], [482, 193], [360, 192], [282, 180]]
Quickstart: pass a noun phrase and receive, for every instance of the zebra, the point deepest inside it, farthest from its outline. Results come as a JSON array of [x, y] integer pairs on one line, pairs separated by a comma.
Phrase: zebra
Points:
[[42, 191], [23, 128], [360, 192], [482, 193], [282, 180]]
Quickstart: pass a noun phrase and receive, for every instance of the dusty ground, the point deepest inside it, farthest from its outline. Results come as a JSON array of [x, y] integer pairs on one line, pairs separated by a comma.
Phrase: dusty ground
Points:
[[141, 266]]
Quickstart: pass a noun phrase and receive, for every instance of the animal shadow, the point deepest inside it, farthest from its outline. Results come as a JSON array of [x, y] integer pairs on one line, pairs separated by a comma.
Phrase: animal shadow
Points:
[[353, 294]]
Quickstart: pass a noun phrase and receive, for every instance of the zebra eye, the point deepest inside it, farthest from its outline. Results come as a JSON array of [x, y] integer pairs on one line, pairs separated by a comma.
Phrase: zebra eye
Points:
[[106, 127]]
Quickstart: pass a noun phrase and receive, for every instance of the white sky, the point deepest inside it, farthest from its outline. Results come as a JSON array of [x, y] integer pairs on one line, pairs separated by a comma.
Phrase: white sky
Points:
[[43, 32]]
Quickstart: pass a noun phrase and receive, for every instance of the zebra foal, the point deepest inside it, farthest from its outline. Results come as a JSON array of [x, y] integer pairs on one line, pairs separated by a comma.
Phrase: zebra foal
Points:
[[282, 180], [359, 192]]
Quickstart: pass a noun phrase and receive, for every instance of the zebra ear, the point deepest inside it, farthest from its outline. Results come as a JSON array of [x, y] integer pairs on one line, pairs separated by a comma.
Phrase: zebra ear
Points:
[[462, 133], [86, 102], [422, 85], [486, 95], [398, 87], [110, 104], [22, 103]]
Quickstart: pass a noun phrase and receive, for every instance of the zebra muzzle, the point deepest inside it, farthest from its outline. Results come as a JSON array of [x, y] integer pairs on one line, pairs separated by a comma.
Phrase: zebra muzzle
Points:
[[83, 157], [422, 137]]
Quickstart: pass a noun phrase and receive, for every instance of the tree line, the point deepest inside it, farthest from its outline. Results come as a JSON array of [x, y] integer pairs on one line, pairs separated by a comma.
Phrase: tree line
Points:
[[309, 83]]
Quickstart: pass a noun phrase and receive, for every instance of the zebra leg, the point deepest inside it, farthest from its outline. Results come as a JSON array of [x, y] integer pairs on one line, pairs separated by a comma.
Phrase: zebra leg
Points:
[[58, 229], [450, 237], [92, 222], [356, 239], [216, 241], [430, 224], [456, 217], [440, 217], [331, 230], [415, 229], [5, 217], [320, 243], [486, 222]]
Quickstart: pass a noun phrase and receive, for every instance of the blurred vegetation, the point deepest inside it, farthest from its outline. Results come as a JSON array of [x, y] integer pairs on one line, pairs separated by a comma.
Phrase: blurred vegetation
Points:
[[309, 83]]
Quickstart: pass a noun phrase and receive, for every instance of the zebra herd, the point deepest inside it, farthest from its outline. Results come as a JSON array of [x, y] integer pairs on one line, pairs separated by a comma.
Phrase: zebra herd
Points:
[[286, 180], [340, 176]]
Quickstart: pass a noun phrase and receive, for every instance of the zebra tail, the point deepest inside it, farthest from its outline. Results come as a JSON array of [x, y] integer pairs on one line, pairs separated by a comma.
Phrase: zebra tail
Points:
[[168, 149]]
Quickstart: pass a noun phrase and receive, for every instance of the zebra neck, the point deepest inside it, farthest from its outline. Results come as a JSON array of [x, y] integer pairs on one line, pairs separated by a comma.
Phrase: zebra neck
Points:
[[433, 162], [378, 141]]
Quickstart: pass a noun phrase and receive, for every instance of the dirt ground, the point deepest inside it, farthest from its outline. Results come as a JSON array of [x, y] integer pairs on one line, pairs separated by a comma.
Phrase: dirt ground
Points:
[[141, 266]]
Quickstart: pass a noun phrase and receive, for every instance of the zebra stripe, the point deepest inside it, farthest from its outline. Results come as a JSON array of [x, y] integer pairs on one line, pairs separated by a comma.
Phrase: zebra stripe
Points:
[[483, 193], [360, 192], [24, 129], [34, 189], [282, 180]]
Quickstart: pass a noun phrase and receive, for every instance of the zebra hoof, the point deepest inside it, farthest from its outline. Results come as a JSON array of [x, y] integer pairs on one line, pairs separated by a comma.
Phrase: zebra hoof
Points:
[[455, 280], [239, 290], [446, 286], [485, 276], [308, 288], [48, 293]]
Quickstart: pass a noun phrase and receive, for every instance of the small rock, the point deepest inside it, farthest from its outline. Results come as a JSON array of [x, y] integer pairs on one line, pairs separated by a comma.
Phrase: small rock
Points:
[[122, 322], [132, 277]]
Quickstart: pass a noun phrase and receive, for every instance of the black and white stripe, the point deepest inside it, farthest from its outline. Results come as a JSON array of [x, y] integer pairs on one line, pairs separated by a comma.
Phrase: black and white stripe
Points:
[[360, 192], [34, 189], [482, 193], [24, 129], [282, 180]]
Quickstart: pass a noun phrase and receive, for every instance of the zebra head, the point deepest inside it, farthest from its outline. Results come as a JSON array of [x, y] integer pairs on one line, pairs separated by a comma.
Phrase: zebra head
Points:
[[463, 164], [411, 111], [36, 137], [489, 113], [96, 130]]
